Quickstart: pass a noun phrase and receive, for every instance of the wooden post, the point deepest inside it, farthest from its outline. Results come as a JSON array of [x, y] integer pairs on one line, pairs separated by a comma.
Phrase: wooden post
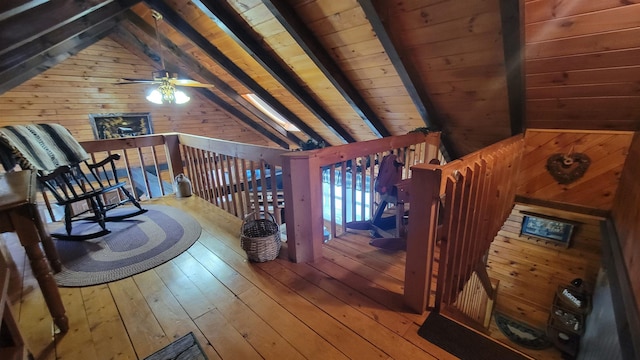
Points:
[[172, 149], [423, 221], [303, 193]]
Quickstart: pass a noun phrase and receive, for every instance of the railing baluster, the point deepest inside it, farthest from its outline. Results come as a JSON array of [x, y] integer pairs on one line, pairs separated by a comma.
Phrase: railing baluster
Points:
[[240, 212], [143, 171], [230, 187]]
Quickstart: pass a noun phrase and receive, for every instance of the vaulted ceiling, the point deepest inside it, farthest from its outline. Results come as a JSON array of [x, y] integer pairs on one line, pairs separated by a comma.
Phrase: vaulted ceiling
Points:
[[354, 70]]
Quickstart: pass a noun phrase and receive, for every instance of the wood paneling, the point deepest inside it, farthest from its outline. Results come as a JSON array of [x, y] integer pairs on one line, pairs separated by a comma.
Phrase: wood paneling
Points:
[[456, 50], [626, 216], [233, 51], [531, 270], [596, 189], [84, 84], [343, 29], [582, 64]]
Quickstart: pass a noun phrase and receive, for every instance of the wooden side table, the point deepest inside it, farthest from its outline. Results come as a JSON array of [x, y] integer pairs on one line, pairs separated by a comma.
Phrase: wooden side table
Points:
[[19, 213]]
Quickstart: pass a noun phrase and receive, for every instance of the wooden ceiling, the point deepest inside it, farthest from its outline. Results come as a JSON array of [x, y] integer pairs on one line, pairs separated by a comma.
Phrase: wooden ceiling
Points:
[[354, 70]]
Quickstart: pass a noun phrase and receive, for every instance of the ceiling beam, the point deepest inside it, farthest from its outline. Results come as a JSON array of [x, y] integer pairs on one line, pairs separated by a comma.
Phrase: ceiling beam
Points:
[[219, 12], [305, 38], [512, 16], [194, 66], [124, 35], [9, 8], [171, 17], [418, 94], [12, 59], [55, 55], [43, 19]]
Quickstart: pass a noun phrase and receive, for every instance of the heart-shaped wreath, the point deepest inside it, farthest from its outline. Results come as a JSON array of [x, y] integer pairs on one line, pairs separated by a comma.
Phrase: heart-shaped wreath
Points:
[[567, 168]]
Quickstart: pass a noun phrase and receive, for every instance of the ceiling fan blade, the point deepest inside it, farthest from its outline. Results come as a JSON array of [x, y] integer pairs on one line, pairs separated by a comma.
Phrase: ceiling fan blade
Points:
[[125, 81], [192, 83]]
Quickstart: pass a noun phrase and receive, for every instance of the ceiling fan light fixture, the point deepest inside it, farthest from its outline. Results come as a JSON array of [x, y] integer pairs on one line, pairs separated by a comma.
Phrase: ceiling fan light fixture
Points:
[[166, 93], [181, 97], [155, 97]]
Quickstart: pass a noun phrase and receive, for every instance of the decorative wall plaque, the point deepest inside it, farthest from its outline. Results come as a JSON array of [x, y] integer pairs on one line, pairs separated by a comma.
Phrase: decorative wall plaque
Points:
[[112, 126], [550, 229]]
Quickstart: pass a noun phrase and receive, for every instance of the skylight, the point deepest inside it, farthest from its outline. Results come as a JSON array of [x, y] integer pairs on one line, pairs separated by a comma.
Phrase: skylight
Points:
[[270, 112]]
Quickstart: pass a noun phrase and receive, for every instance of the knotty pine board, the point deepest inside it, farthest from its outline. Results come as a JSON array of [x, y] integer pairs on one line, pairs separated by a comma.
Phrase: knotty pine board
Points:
[[596, 189], [530, 273]]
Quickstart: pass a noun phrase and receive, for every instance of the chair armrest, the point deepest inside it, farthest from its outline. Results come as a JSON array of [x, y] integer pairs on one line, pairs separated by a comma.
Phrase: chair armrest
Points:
[[109, 159], [55, 173]]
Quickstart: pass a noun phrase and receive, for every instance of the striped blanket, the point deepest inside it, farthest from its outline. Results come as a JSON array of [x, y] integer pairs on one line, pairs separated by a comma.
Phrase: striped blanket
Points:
[[43, 147]]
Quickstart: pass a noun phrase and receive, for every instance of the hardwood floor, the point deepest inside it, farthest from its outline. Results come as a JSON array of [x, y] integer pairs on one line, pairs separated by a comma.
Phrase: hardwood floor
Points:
[[346, 306]]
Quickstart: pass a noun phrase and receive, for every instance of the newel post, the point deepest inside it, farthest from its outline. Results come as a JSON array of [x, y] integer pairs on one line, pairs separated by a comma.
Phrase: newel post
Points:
[[423, 222], [303, 205], [174, 157]]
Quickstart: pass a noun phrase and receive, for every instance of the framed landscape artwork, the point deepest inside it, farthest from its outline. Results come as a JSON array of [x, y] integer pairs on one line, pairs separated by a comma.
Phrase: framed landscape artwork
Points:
[[554, 230], [119, 125]]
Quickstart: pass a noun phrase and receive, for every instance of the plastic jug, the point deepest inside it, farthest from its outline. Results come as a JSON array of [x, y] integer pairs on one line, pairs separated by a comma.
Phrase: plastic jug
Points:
[[183, 186]]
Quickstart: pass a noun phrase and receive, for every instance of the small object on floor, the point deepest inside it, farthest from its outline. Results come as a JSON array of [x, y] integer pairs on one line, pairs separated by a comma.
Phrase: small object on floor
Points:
[[391, 244], [463, 342], [185, 348], [521, 333]]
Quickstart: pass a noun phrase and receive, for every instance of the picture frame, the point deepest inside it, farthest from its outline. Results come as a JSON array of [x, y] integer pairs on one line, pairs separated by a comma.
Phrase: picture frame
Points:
[[119, 125], [552, 229]]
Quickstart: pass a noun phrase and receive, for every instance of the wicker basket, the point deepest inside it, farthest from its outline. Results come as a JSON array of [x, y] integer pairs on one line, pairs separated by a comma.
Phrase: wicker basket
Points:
[[260, 238]]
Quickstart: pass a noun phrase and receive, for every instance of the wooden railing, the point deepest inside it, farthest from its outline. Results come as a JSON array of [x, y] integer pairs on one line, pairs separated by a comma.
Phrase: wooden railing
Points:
[[237, 177], [233, 176], [303, 183], [461, 206]]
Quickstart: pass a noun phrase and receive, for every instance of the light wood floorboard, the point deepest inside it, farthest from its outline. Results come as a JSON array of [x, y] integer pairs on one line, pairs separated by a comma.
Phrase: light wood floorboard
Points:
[[348, 305]]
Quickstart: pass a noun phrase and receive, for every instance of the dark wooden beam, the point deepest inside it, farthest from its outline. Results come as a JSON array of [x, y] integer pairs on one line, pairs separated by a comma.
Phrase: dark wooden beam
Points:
[[9, 8], [218, 56], [55, 55], [223, 16], [285, 14], [194, 66], [28, 25], [512, 16], [10, 60], [418, 94]]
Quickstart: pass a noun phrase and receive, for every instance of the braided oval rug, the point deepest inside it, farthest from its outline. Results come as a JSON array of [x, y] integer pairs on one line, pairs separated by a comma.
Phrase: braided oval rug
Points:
[[134, 245]]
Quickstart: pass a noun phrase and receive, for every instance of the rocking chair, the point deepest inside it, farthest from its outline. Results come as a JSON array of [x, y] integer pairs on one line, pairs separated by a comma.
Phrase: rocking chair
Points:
[[387, 231], [63, 169]]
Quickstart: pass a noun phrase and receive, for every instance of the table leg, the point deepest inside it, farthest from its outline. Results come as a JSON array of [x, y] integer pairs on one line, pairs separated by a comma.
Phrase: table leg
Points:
[[47, 244], [29, 237]]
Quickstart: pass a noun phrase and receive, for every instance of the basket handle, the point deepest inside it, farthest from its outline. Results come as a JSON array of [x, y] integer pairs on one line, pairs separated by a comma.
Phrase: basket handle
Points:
[[244, 221]]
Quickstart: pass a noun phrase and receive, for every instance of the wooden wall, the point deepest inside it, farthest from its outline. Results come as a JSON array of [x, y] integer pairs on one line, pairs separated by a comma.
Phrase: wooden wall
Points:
[[531, 270], [597, 188], [582, 64], [454, 52], [84, 84], [626, 216]]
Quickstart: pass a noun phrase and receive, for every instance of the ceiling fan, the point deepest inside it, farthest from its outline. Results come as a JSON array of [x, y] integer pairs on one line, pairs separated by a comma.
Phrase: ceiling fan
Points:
[[166, 80]]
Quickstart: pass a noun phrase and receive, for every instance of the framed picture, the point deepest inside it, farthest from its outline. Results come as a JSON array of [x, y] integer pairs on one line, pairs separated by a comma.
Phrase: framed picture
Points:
[[113, 126], [551, 229]]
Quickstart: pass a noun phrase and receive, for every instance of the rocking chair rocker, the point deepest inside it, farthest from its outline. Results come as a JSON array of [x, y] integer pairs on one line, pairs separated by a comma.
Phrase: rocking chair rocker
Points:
[[63, 169]]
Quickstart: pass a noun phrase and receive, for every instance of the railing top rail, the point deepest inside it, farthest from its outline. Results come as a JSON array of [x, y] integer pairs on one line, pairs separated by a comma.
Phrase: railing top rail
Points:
[[334, 154], [449, 169], [123, 143], [231, 148], [460, 163]]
